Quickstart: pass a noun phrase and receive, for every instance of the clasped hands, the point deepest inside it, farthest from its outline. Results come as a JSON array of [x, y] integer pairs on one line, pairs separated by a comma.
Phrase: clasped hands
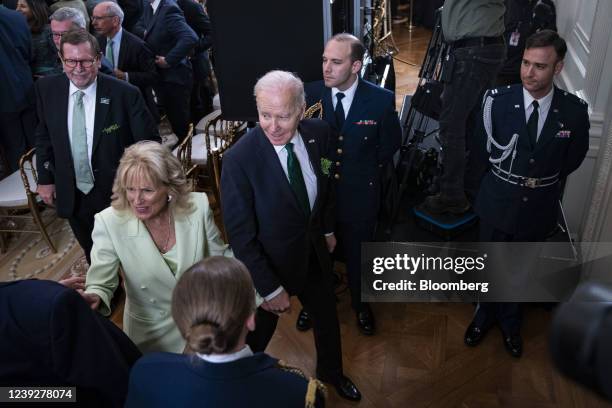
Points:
[[78, 283]]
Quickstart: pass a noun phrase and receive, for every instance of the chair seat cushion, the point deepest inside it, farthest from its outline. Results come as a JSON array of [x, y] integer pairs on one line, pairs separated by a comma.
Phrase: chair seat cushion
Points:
[[198, 148], [12, 190]]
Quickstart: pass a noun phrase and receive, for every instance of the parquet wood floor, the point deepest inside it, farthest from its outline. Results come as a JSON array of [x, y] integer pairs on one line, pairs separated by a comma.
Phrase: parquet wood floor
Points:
[[417, 357]]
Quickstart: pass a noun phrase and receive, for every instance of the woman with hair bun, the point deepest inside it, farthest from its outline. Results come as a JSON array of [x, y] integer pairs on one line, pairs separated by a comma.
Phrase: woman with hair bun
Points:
[[213, 305]]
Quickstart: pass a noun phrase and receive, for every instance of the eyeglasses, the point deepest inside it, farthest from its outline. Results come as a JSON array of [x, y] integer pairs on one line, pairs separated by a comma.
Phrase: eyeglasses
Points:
[[57, 34], [71, 63], [95, 18]]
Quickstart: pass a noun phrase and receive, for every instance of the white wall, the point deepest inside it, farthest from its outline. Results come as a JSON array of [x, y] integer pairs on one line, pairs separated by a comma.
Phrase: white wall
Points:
[[586, 25]]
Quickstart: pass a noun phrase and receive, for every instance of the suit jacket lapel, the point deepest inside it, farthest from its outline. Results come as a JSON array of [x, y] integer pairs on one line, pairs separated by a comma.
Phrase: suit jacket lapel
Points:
[[124, 49], [314, 155], [186, 241], [516, 111], [102, 94], [268, 155], [61, 102], [152, 17], [358, 106], [328, 107], [142, 243], [551, 124]]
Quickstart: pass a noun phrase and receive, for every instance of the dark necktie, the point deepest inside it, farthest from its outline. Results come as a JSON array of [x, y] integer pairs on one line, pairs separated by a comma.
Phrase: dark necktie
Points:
[[296, 179], [339, 110], [532, 124]]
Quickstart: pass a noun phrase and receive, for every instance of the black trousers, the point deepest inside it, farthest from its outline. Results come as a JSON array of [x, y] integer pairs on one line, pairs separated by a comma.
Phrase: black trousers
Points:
[[16, 135], [318, 297], [82, 219], [507, 314], [176, 101], [350, 236]]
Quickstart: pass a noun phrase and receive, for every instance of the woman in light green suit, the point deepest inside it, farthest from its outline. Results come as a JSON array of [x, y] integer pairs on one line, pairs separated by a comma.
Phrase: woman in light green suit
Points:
[[155, 229]]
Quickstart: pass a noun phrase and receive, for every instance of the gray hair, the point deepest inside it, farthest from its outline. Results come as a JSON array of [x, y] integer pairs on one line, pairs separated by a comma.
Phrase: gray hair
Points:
[[280, 81], [70, 14], [113, 9]]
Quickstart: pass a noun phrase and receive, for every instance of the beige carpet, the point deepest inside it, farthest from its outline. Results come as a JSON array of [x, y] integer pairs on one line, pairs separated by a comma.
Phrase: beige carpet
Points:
[[28, 255]]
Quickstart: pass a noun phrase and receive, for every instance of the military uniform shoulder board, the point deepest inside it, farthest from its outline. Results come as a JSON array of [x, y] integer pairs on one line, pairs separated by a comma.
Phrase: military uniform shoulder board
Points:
[[498, 91], [574, 98], [314, 385]]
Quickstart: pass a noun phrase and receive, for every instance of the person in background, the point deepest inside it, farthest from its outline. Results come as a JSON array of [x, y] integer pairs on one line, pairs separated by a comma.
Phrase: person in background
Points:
[[85, 121], [155, 229], [76, 4], [44, 54], [543, 133], [214, 308]]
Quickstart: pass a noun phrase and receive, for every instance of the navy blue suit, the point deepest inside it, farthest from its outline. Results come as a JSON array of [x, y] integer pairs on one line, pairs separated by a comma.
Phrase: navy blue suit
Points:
[[137, 60], [510, 212], [364, 145], [51, 337], [279, 244], [165, 380], [17, 118], [532, 212], [167, 34]]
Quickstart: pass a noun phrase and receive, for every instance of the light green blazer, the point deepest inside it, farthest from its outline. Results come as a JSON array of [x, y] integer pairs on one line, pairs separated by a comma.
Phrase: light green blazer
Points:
[[120, 238]]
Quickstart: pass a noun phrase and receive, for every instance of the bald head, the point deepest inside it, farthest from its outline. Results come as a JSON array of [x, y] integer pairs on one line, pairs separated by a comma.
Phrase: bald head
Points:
[[107, 18]]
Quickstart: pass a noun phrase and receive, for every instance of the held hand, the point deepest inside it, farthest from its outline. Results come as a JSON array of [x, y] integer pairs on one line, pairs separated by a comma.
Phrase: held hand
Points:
[[119, 74], [74, 282], [46, 192], [161, 62], [92, 299], [330, 240], [278, 304]]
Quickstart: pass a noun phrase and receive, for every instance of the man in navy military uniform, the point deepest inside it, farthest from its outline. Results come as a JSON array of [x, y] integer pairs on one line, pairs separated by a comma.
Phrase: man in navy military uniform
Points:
[[369, 133], [538, 134]]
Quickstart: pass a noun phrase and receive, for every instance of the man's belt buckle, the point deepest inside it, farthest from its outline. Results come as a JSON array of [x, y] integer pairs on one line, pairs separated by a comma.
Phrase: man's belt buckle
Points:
[[531, 182]]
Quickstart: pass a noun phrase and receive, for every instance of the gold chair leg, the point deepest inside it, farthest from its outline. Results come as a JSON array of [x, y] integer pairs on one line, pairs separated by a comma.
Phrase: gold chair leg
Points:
[[39, 223]]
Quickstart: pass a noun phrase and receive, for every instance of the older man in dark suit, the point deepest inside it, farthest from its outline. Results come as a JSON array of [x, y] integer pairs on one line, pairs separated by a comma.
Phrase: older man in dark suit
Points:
[[86, 120], [163, 27], [130, 57], [279, 218], [368, 128], [16, 97], [51, 337]]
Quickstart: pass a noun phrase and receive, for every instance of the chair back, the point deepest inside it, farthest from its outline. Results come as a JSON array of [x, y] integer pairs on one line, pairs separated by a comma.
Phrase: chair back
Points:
[[183, 153], [220, 135], [316, 108]]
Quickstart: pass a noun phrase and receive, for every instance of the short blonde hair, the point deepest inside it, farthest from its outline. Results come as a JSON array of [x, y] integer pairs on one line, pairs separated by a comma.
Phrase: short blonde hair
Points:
[[157, 164], [280, 81], [211, 303]]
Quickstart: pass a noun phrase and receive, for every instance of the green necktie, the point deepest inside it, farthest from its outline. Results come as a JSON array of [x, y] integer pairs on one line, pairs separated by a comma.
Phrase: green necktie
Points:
[[80, 157], [296, 179], [109, 53]]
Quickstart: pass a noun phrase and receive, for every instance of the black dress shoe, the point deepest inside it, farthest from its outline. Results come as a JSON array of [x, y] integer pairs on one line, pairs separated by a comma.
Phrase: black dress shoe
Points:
[[514, 345], [303, 321], [345, 388], [365, 322], [474, 334]]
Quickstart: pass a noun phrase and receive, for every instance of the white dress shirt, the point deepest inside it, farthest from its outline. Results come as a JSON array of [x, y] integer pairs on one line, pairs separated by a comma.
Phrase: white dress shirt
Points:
[[226, 358], [544, 106], [155, 5], [89, 104], [310, 179], [349, 95]]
